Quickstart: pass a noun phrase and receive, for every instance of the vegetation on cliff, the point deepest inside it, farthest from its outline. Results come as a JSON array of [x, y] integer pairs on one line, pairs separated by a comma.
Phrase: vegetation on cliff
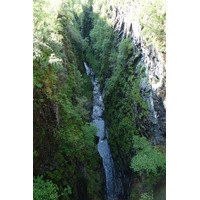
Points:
[[65, 149], [116, 63], [66, 161]]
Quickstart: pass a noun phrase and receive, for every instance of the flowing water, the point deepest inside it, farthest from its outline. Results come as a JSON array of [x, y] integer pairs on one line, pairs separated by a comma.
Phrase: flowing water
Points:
[[113, 181]]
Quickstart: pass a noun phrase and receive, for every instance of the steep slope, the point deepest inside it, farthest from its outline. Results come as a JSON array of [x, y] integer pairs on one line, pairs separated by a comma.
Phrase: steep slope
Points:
[[64, 142], [124, 43], [128, 57]]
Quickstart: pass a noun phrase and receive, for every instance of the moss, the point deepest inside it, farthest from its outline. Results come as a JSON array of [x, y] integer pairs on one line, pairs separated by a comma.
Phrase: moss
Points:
[[35, 154]]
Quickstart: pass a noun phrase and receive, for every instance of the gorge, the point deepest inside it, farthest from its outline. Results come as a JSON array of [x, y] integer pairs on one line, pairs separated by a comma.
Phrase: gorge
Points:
[[99, 100], [113, 181]]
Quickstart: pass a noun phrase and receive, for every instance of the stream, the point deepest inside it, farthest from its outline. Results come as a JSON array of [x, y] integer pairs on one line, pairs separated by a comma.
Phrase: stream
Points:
[[113, 180]]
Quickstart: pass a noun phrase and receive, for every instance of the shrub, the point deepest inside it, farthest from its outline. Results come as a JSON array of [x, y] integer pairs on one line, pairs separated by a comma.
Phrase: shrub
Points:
[[44, 189], [148, 160]]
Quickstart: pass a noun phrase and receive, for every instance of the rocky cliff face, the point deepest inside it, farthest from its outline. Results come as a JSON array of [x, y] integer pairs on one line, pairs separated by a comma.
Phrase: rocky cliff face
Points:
[[153, 84], [45, 123], [134, 78]]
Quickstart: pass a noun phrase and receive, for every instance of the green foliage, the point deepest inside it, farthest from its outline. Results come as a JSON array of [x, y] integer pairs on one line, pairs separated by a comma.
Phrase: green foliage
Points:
[[87, 87], [44, 189], [47, 46], [64, 140], [148, 160], [35, 154], [67, 192], [86, 21], [125, 48], [99, 49], [152, 17], [147, 196], [122, 92], [138, 99]]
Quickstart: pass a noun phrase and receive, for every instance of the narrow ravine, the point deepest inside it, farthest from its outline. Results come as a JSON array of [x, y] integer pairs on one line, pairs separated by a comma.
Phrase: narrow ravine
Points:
[[113, 183]]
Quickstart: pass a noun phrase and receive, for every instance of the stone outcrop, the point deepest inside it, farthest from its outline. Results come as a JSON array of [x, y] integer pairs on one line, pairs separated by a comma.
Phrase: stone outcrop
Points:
[[154, 83]]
